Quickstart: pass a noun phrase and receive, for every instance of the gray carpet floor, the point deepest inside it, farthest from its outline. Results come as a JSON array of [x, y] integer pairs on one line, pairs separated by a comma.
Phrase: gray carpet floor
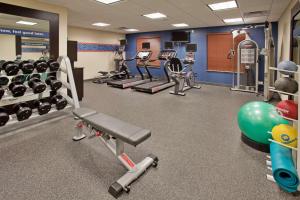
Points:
[[196, 138]]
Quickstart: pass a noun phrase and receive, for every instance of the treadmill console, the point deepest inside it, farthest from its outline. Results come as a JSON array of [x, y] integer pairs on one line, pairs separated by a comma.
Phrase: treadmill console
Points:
[[167, 54], [190, 54], [189, 58], [143, 55]]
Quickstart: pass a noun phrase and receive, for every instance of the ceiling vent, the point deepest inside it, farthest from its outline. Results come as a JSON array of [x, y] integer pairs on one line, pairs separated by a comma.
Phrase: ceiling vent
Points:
[[256, 14]]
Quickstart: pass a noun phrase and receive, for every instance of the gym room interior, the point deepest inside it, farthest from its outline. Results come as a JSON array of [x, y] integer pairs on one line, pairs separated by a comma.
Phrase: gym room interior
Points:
[[149, 99]]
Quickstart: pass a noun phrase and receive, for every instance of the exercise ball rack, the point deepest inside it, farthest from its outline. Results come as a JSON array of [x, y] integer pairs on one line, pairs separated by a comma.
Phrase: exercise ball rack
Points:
[[269, 79]]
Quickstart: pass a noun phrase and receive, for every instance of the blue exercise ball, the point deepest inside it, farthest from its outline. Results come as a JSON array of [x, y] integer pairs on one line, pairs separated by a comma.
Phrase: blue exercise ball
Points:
[[287, 65]]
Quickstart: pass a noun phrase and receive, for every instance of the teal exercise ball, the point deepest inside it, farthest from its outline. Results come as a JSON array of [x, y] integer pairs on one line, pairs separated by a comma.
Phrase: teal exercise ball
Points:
[[256, 119]]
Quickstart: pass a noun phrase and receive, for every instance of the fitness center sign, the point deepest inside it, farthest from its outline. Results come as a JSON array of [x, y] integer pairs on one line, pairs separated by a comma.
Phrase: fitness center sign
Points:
[[24, 33]]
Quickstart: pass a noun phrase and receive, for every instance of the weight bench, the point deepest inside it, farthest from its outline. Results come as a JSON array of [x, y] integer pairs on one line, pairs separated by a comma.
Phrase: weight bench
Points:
[[114, 133]]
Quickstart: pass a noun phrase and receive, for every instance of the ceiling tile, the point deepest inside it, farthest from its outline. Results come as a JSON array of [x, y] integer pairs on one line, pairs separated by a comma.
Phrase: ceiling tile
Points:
[[128, 13]]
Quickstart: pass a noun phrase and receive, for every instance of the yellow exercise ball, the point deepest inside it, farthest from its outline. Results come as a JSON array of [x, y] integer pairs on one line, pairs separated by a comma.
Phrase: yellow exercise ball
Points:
[[285, 134]]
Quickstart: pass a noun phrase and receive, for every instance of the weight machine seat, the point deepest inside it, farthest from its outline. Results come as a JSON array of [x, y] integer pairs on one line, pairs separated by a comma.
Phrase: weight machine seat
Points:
[[119, 129]]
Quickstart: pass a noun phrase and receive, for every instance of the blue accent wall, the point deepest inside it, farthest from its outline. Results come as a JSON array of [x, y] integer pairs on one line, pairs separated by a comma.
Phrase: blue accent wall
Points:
[[199, 36]]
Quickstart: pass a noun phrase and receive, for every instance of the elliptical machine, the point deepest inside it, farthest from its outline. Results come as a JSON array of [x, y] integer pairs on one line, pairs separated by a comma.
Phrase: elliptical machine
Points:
[[184, 76], [121, 71]]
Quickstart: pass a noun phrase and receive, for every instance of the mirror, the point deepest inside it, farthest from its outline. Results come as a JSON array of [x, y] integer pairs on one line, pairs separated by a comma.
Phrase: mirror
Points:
[[296, 39], [295, 34], [23, 38]]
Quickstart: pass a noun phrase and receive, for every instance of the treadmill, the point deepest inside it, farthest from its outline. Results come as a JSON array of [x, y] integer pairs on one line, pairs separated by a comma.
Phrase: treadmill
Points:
[[142, 58], [159, 85]]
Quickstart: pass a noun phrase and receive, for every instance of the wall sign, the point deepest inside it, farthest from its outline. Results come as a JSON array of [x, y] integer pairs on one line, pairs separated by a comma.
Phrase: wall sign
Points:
[[96, 47], [24, 33]]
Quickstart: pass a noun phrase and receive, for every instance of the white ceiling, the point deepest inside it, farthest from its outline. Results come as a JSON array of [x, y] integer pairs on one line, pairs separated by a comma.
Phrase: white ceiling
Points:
[[128, 13], [9, 21]]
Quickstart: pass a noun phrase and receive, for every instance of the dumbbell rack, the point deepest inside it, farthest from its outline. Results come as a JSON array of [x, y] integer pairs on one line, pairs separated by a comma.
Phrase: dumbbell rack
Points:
[[294, 122], [64, 74]]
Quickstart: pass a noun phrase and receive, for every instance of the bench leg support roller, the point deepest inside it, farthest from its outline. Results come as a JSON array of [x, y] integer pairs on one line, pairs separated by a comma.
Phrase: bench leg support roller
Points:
[[134, 172], [98, 125]]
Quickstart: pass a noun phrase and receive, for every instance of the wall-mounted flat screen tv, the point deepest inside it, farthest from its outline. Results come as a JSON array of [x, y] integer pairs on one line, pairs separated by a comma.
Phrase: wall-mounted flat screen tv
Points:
[[181, 36]]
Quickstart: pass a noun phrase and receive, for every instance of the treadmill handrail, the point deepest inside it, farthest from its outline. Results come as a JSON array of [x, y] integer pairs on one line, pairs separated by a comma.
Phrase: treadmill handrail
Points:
[[130, 59], [144, 63]]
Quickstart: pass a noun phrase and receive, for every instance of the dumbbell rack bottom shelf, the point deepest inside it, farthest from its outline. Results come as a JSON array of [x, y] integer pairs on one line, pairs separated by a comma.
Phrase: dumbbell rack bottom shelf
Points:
[[34, 115], [28, 96]]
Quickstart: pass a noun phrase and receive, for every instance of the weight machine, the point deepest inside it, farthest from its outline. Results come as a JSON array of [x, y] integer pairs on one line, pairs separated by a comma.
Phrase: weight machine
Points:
[[245, 75], [269, 54]]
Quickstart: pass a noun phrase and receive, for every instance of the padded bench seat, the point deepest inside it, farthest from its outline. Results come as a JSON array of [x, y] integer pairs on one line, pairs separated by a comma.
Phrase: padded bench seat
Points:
[[119, 129]]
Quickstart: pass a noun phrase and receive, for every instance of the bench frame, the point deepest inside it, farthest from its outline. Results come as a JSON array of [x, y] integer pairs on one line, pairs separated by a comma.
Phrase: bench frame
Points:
[[116, 146]]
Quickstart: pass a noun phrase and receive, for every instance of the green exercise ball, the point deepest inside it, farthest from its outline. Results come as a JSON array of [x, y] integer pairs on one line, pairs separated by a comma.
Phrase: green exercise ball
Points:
[[256, 119]]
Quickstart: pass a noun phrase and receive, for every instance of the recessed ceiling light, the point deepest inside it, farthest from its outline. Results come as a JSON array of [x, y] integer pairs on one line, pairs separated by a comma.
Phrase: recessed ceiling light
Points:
[[232, 20], [100, 24], [180, 25], [108, 1], [155, 15], [223, 5], [26, 23], [131, 29]]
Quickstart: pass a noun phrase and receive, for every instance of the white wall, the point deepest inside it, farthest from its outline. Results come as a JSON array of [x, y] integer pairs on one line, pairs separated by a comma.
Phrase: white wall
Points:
[[31, 55], [284, 32], [8, 47], [94, 61], [63, 18]]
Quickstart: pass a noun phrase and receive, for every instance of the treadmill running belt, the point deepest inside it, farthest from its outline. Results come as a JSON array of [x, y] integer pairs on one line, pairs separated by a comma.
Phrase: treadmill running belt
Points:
[[151, 84], [124, 81]]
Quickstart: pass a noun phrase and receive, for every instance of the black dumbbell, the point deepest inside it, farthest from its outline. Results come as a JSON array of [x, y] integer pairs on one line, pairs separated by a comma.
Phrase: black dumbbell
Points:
[[3, 81], [1, 63], [2, 91], [19, 78], [16, 87], [37, 85], [41, 66], [23, 111], [26, 67], [4, 117], [53, 65], [11, 68], [54, 83], [43, 106], [59, 101]]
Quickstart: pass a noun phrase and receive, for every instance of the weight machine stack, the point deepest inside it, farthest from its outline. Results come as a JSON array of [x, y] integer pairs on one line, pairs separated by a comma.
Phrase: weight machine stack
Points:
[[51, 87]]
